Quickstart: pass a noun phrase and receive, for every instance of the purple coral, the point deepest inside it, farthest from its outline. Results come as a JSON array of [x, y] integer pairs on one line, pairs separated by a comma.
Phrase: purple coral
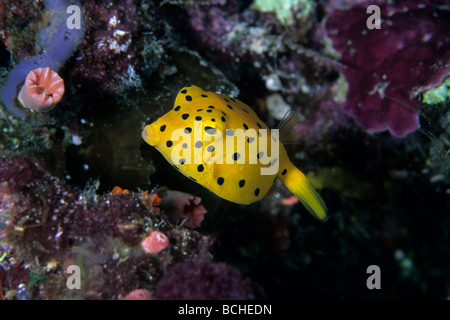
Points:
[[383, 67], [202, 280], [109, 49], [213, 23], [222, 32]]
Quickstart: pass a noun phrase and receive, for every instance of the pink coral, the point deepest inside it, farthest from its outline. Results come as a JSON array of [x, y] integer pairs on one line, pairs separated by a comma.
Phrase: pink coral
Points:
[[155, 242], [184, 206], [139, 294], [42, 90]]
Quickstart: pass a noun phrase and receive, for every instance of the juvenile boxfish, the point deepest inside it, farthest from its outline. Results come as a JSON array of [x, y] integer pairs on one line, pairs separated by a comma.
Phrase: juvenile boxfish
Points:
[[220, 143]]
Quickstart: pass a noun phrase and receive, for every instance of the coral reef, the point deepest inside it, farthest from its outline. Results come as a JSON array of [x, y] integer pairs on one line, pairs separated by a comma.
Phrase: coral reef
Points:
[[285, 10], [110, 47], [57, 42], [19, 26], [124, 37], [203, 280], [407, 52], [371, 131], [437, 94], [46, 226]]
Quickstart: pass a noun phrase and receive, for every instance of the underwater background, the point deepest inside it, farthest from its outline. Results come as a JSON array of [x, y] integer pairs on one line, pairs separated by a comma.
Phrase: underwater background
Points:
[[369, 84]]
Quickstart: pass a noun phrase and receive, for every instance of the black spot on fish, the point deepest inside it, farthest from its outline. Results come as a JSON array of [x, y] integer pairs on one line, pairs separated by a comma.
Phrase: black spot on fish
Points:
[[204, 96], [209, 111], [185, 116], [220, 181], [233, 100], [182, 161], [259, 126], [224, 113], [169, 143], [198, 118], [198, 144], [223, 119], [244, 110], [183, 91], [230, 107], [188, 98], [235, 156], [250, 139], [211, 107], [200, 168], [260, 155], [257, 192], [211, 148], [213, 120], [284, 172], [245, 126], [199, 110], [187, 130], [162, 128], [241, 183], [226, 99], [210, 130], [177, 108]]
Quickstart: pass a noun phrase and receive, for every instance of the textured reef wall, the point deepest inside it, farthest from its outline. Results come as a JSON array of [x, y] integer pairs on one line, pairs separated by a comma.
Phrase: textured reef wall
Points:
[[387, 68], [48, 226], [79, 186]]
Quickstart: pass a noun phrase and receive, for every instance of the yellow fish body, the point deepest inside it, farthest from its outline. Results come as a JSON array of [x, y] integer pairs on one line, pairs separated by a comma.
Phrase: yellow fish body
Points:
[[220, 143]]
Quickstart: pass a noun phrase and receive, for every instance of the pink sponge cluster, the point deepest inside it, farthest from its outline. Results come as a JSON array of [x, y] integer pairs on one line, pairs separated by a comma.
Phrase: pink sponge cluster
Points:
[[155, 242]]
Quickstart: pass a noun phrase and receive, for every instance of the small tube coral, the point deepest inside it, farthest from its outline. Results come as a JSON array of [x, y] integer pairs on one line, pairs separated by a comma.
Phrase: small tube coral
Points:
[[42, 90], [57, 42]]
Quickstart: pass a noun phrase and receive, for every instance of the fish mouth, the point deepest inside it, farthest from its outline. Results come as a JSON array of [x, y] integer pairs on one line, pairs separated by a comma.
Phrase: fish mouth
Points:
[[145, 134]]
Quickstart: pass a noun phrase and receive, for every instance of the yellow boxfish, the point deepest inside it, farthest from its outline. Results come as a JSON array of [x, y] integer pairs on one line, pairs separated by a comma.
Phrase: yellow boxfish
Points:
[[220, 143]]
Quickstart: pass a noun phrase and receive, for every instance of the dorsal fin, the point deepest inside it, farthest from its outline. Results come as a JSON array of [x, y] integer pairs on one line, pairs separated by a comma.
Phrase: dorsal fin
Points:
[[288, 135]]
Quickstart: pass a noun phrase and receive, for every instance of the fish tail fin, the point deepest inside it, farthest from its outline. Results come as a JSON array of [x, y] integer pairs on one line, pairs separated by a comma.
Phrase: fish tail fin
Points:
[[288, 133], [297, 183]]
